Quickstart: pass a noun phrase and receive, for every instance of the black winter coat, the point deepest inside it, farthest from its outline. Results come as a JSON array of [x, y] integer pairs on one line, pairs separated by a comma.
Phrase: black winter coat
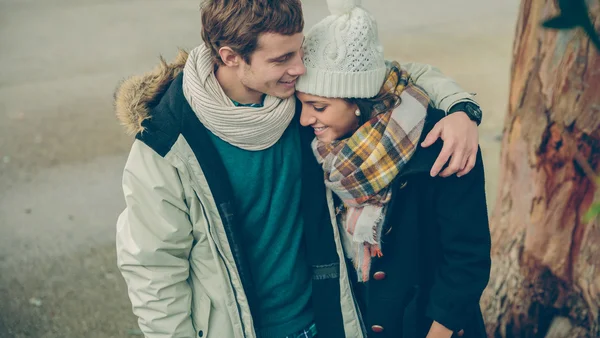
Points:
[[436, 253]]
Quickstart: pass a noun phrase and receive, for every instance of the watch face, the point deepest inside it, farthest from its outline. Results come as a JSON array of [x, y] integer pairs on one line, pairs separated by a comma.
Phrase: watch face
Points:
[[474, 111]]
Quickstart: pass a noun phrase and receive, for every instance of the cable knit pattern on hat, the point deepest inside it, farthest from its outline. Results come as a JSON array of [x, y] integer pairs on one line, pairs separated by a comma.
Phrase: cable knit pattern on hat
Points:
[[343, 55]]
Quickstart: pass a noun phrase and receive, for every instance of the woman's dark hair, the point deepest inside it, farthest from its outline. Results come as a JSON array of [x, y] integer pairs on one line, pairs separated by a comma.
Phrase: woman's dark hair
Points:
[[370, 107]]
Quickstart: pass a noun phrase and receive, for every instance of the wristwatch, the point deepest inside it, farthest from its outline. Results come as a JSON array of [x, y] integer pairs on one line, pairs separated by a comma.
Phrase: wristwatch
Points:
[[471, 109]]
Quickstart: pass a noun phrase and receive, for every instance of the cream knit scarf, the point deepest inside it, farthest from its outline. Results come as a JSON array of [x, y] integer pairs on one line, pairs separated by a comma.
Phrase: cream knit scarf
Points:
[[247, 128]]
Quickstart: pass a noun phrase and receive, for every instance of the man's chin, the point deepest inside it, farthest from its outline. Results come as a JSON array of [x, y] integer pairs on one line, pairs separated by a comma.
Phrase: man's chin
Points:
[[285, 94]]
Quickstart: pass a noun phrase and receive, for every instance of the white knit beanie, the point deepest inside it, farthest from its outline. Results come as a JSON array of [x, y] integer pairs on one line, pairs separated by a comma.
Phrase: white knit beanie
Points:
[[343, 55]]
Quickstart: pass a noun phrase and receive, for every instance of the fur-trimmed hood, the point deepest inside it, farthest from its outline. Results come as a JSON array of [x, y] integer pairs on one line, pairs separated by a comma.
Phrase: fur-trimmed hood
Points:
[[136, 95]]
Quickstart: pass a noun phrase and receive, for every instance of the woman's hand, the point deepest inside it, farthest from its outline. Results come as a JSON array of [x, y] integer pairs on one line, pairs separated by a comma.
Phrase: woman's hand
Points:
[[438, 330]]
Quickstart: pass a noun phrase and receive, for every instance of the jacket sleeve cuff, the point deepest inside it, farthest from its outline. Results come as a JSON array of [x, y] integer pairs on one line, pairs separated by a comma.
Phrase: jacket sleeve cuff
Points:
[[447, 103], [452, 320]]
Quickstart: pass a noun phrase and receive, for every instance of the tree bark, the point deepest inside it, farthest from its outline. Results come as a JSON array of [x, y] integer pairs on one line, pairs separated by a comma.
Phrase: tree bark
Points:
[[545, 279]]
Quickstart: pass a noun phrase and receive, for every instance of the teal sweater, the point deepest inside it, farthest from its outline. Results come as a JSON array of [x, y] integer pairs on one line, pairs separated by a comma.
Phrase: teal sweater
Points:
[[266, 187]]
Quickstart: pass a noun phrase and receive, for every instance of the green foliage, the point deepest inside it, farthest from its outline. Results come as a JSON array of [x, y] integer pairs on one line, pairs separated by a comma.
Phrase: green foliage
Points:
[[594, 210], [592, 213]]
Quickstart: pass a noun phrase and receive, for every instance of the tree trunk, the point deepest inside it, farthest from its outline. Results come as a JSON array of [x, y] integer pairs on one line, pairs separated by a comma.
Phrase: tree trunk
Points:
[[545, 278]]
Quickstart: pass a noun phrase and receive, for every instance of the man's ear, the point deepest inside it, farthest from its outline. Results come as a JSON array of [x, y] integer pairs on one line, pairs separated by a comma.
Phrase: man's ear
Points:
[[229, 57]]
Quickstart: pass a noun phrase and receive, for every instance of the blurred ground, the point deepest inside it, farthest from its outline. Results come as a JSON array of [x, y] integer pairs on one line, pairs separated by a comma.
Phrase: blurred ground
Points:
[[62, 152]]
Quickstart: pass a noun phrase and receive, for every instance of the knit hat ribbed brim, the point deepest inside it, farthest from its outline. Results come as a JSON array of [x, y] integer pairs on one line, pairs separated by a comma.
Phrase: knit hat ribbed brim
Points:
[[341, 85]]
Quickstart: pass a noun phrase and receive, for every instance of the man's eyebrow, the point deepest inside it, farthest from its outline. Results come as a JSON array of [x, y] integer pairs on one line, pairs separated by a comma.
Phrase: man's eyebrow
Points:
[[281, 57]]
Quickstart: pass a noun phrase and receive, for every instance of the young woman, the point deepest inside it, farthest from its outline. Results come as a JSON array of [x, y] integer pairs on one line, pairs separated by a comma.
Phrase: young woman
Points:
[[408, 254]]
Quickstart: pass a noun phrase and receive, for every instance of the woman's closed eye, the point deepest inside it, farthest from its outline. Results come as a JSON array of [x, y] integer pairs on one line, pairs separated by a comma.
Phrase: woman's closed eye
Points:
[[319, 109]]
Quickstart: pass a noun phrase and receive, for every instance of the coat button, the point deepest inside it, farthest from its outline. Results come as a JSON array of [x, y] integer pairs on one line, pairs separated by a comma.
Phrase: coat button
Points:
[[377, 328], [403, 184], [379, 275], [200, 333]]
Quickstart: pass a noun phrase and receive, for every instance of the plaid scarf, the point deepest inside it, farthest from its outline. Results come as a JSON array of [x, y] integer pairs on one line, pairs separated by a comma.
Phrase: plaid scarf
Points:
[[361, 168]]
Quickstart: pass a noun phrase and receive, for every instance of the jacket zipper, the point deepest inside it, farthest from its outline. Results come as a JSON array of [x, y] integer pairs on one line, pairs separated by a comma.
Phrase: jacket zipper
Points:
[[219, 249]]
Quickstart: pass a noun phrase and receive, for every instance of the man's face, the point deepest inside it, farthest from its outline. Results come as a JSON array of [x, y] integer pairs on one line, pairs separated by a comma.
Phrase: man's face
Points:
[[275, 65]]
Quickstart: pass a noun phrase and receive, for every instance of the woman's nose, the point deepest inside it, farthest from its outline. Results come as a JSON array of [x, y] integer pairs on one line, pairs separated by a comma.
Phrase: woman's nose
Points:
[[306, 119]]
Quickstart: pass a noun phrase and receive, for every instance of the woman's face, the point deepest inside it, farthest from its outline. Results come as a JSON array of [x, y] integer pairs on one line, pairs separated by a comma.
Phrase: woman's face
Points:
[[331, 119]]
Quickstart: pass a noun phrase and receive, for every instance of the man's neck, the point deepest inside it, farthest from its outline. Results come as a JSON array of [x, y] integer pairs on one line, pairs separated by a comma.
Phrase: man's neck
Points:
[[234, 89]]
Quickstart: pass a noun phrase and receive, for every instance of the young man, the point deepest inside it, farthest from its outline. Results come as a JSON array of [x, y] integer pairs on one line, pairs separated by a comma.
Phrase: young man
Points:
[[211, 242]]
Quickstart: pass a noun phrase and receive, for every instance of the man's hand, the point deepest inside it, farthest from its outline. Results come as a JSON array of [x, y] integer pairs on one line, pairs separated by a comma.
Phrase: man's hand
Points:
[[461, 141], [438, 330]]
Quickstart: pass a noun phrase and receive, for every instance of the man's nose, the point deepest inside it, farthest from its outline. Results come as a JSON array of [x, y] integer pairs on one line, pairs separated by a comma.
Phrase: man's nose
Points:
[[298, 67]]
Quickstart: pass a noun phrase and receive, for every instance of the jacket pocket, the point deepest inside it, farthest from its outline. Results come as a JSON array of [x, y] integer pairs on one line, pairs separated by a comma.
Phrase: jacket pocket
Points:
[[201, 314]]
